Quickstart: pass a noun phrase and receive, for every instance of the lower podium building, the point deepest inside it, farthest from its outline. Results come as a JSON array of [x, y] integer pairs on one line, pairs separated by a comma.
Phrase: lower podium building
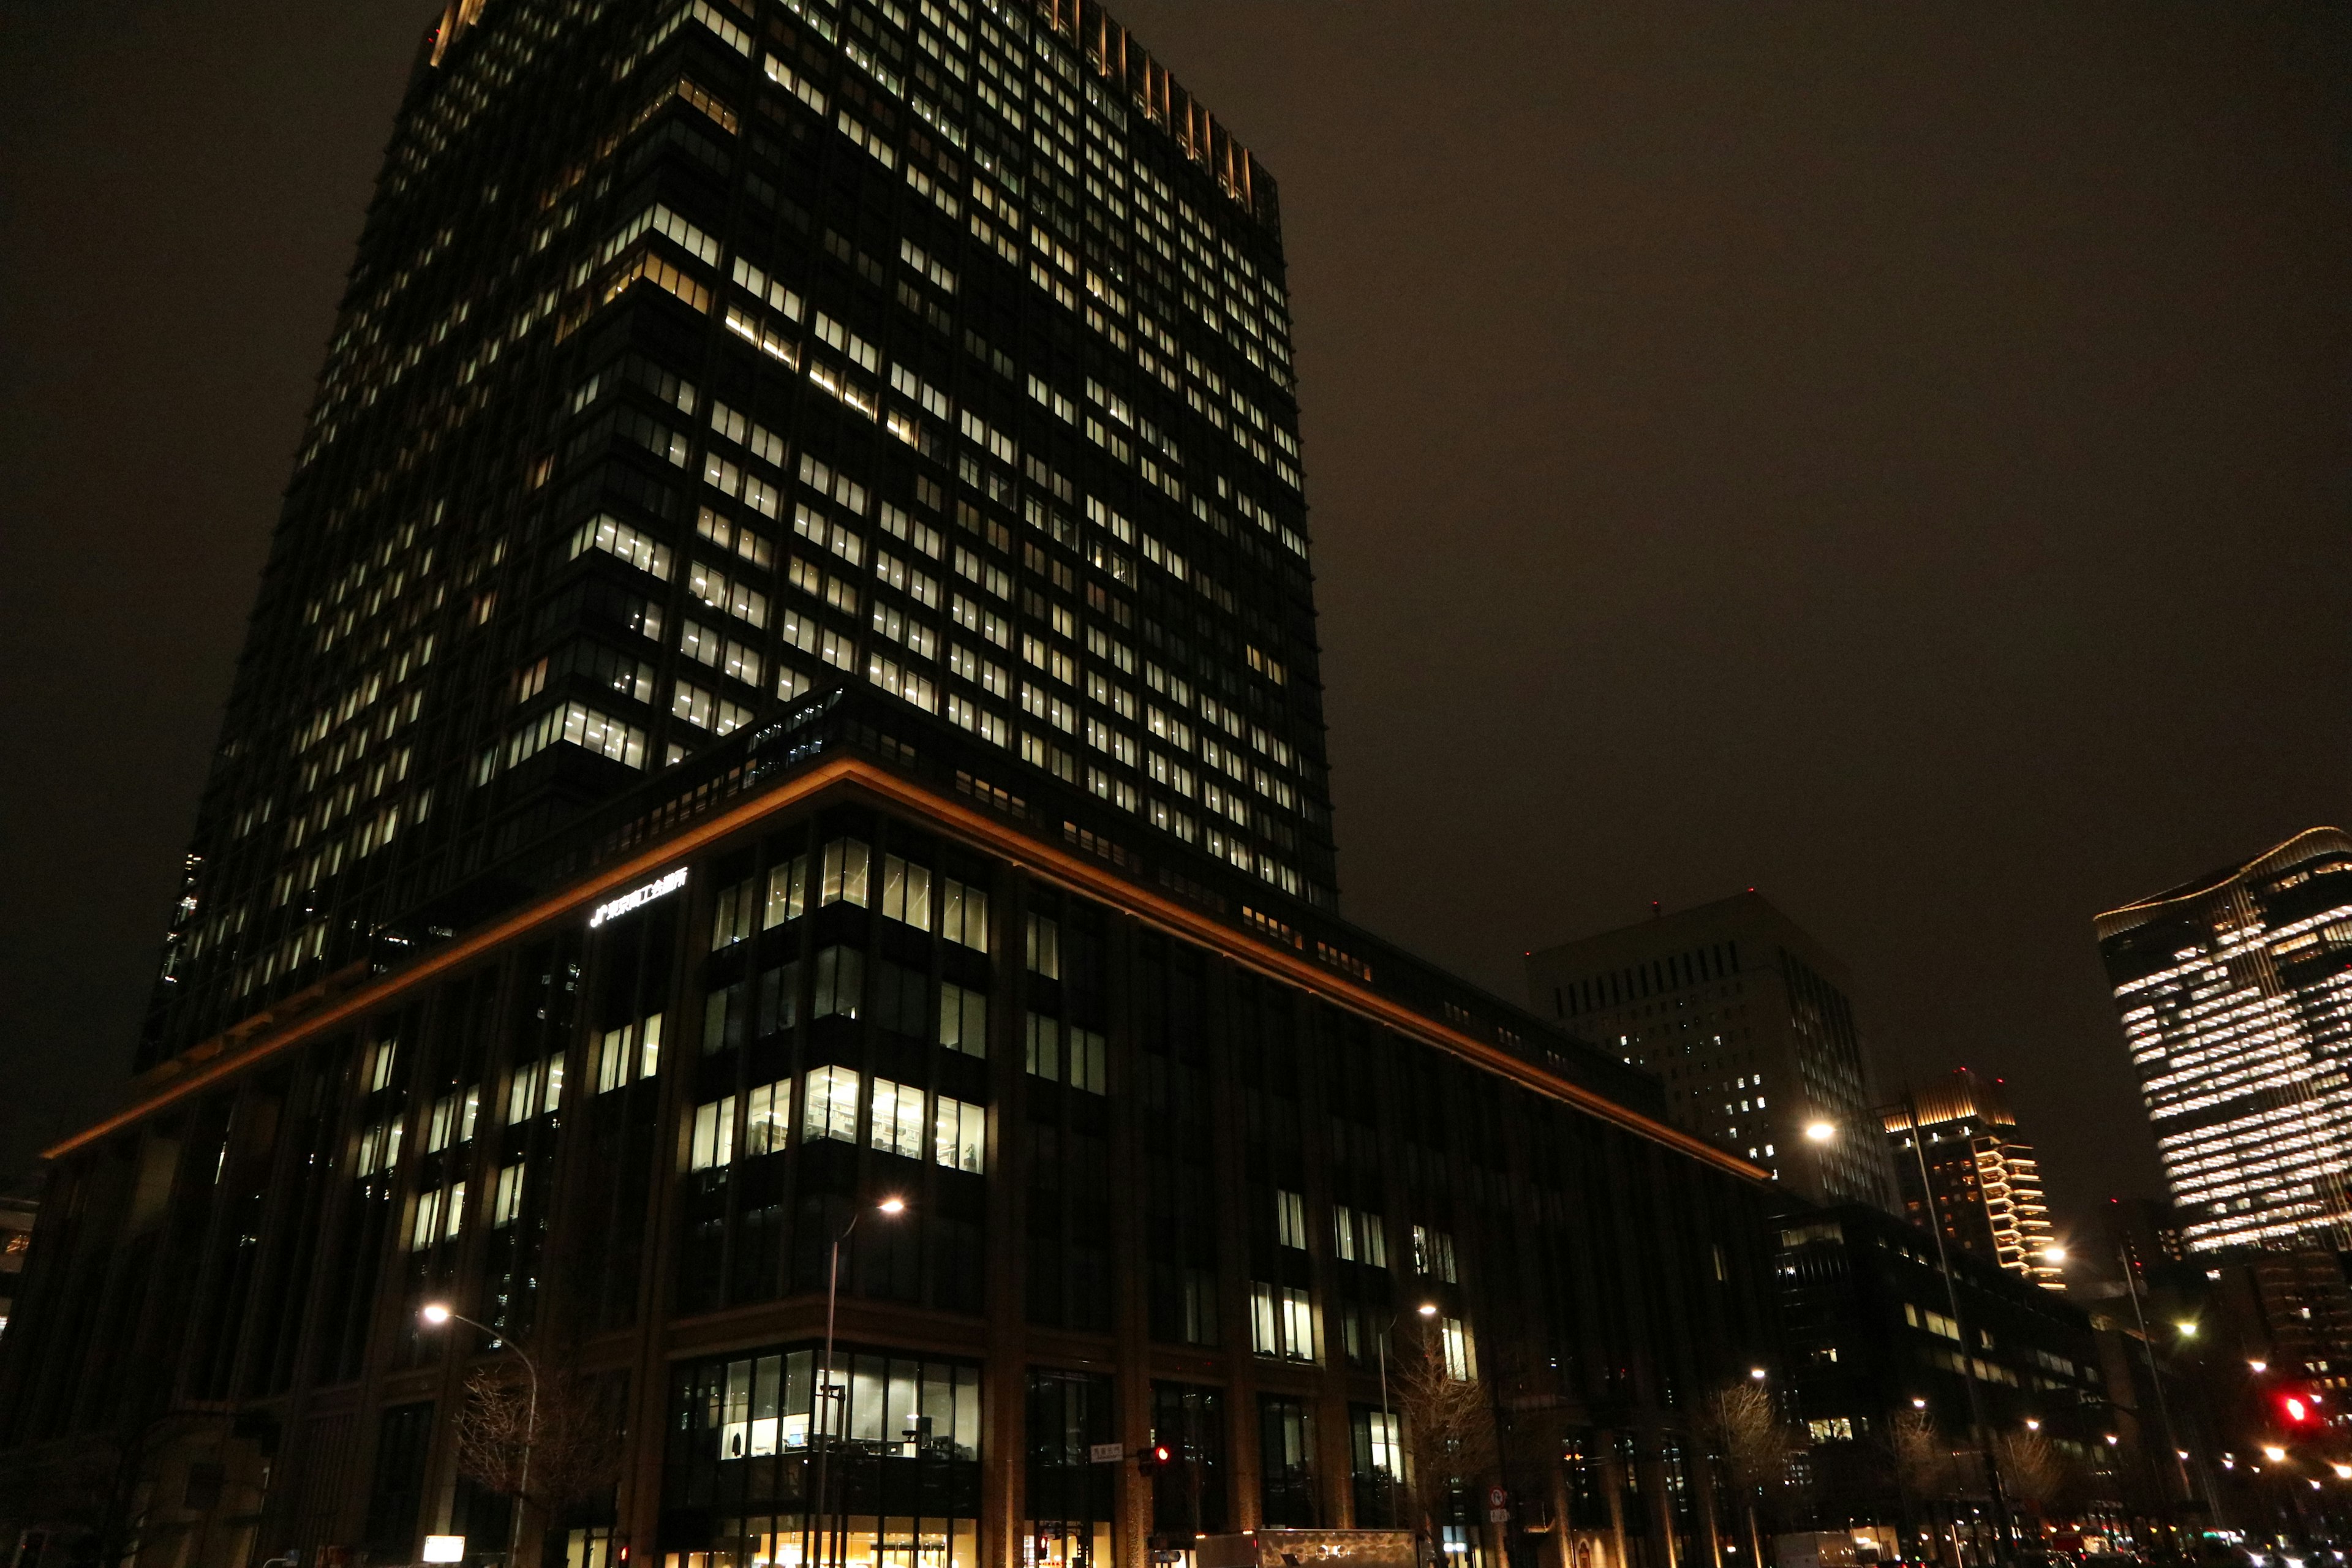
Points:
[[1111, 1151]]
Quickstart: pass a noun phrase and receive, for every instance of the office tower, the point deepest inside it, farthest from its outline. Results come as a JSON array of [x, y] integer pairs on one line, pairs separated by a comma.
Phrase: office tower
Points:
[[2235, 995], [696, 355], [1983, 1185], [1745, 1019], [637, 1047]]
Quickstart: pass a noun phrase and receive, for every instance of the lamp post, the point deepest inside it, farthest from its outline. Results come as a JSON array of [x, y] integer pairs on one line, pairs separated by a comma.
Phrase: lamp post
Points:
[[2155, 1378], [1388, 1422], [825, 1389], [1968, 1356], [437, 1315]]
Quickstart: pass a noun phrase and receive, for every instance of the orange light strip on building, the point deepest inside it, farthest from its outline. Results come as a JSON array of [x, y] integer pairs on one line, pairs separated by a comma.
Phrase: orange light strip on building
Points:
[[1026, 853]]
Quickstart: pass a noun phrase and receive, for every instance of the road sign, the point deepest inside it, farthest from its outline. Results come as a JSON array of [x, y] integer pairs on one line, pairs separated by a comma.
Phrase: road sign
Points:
[[1106, 1453], [1498, 1516], [1497, 1498]]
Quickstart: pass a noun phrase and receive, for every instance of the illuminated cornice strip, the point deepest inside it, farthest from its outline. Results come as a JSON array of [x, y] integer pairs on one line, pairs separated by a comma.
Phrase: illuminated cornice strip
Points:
[[1024, 852]]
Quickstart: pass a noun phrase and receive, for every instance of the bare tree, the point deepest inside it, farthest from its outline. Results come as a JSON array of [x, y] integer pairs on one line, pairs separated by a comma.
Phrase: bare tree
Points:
[[1449, 1427], [1923, 1459], [1926, 1468], [568, 1455], [1742, 1424], [2035, 1473]]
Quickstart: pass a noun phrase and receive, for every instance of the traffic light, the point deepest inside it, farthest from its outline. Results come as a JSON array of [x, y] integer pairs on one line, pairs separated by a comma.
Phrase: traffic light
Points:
[[2296, 1409], [1155, 1458]]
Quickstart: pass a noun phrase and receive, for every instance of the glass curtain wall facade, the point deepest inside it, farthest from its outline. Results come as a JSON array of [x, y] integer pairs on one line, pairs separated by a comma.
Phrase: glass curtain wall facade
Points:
[[1168, 1175], [2235, 996], [697, 351]]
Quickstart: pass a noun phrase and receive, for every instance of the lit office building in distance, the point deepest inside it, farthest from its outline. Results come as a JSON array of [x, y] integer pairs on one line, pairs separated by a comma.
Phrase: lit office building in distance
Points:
[[786, 680], [1745, 1019], [2235, 995], [1983, 1187]]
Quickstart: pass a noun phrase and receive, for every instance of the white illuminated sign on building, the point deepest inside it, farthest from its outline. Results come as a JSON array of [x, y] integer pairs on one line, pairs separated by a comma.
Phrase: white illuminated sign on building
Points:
[[445, 1549], [639, 898]]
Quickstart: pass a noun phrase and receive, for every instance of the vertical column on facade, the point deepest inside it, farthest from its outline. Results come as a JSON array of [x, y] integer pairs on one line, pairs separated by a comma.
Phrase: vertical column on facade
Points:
[[299, 1457], [1334, 1436], [1661, 1501], [441, 1458], [1613, 1488], [640, 1516], [1005, 1379], [1129, 1265], [1242, 1497]]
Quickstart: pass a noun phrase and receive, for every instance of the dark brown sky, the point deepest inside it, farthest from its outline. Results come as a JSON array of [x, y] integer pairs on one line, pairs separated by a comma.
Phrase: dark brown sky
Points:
[[1895, 456]]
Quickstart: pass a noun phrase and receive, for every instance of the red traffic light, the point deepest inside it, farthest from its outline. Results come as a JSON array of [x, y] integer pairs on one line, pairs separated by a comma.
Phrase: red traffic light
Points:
[[1157, 1457], [2296, 1409]]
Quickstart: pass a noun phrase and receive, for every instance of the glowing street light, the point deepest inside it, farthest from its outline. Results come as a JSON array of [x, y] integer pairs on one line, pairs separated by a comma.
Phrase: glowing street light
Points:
[[1821, 1132], [2274, 1452], [2053, 1253], [2187, 1327], [2258, 1365], [438, 1314], [828, 1418], [1757, 1372], [1428, 1310]]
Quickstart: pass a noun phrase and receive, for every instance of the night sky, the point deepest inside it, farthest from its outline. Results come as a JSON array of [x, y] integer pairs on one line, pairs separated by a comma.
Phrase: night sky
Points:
[[1891, 455]]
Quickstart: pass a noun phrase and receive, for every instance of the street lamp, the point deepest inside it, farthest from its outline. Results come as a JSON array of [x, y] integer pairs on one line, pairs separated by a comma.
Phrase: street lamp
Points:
[[2260, 1366], [1976, 1424], [2053, 1253], [1388, 1422], [891, 1206], [438, 1314], [1821, 1132], [1757, 1372]]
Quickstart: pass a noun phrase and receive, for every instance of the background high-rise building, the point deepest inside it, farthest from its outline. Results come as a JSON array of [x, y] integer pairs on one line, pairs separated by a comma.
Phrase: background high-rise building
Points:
[[1746, 1019], [2235, 993], [692, 359], [1983, 1184]]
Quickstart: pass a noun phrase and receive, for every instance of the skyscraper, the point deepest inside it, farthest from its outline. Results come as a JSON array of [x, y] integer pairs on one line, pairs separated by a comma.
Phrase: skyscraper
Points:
[[1745, 1018], [769, 855], [1983, 1184], [693, 356], [2235, 993]]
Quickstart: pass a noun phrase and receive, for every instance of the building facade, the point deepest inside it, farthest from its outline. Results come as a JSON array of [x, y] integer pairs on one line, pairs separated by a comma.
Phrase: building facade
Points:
[[2235, 995], [1982, 1185], [1874, 1344], [698, 352], [1173, 1168], [1747, 1020]]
